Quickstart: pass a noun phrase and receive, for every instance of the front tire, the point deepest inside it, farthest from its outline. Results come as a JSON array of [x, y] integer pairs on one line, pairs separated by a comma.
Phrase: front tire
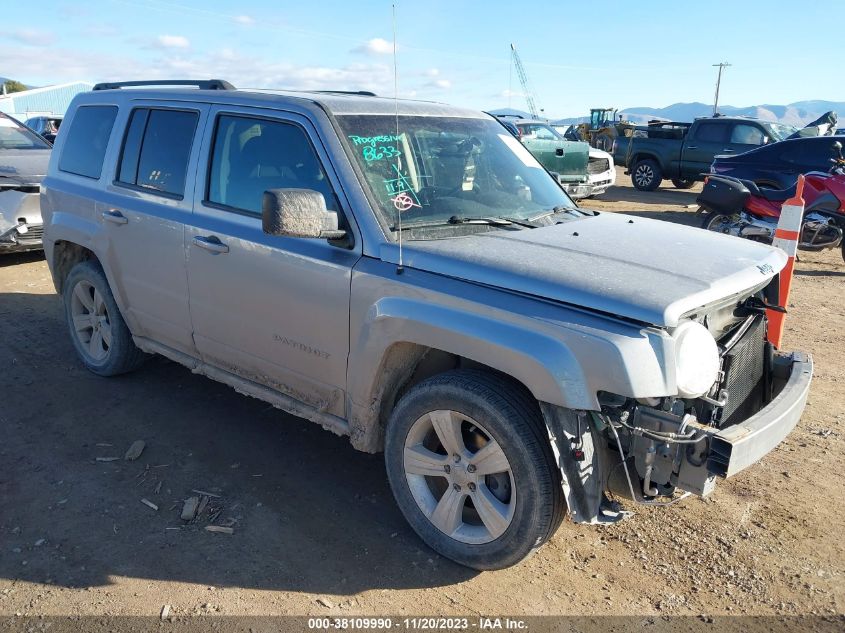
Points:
[[97, 329], [647, 175], [470, 465]]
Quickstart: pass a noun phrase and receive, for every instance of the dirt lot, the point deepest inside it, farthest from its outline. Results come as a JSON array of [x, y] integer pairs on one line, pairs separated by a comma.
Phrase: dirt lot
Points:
[[315, 528]]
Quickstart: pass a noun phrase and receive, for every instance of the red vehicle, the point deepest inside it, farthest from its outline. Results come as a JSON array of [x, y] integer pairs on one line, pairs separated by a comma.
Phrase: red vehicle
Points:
[[741, 208]]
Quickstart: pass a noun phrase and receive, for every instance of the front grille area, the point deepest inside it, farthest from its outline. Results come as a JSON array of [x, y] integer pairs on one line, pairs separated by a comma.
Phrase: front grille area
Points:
[[34, 233], [743, 365], [597, 165]]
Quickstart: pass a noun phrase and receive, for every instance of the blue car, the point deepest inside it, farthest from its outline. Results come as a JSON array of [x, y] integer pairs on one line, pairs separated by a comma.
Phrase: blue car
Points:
[[776, 166]]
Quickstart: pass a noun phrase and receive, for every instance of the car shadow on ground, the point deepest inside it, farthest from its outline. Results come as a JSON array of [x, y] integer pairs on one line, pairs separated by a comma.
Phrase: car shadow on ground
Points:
[[820, 273], [309, 513], [668, 197], [13, 259]]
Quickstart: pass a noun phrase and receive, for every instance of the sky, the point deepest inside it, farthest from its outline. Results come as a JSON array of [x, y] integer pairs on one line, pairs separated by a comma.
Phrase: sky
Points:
[[577, 55]]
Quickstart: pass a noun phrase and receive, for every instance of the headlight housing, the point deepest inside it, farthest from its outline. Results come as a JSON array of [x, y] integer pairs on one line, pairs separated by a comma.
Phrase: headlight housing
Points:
[[696, 359]]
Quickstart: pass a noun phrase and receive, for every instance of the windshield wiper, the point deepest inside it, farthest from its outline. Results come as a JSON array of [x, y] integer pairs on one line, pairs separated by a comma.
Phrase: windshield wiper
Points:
[[493, 221], [559, 209], [456, 219]]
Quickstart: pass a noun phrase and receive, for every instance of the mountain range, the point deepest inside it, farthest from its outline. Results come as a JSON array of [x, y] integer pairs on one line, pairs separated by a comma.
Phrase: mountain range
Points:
[[798, 114]]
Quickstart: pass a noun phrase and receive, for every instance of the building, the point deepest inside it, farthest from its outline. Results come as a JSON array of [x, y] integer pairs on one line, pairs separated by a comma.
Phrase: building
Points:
[[50, 100]]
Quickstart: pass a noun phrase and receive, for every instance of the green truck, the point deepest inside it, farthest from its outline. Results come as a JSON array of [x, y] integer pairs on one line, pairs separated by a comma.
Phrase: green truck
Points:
[[682, 152], [581, 170]]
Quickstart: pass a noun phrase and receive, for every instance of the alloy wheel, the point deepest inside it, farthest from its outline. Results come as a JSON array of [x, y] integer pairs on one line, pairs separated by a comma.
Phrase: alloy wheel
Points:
[[91, 324], [644, 175], [459, 477]]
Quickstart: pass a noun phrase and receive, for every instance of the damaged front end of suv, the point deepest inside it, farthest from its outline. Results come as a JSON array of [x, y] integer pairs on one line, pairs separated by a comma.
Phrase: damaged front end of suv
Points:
[[738, 398], [23, 162]]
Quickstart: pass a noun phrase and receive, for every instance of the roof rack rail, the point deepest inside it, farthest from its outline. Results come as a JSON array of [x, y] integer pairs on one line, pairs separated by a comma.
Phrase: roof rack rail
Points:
[[363, 93], [202, 84]]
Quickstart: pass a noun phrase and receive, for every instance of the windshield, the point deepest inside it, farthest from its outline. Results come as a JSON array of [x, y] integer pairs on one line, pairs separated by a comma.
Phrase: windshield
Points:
[[13, 135], [779, 132], [443, 171]]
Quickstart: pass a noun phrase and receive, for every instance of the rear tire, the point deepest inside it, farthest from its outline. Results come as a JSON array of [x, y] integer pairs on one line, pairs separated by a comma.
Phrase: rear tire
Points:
[[646, 175], [713, 220], [97, 329], [430, 469], [683, 183]]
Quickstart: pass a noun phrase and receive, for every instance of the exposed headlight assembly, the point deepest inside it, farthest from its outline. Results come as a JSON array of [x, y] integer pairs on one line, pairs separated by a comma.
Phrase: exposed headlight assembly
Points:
[[696, 360]]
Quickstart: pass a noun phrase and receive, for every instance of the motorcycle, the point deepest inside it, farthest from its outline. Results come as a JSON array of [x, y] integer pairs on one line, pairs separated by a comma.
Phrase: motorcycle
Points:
[[741, 208]]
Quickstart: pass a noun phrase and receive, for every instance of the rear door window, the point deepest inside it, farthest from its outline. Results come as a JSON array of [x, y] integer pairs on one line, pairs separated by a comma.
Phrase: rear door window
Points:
[[712, 132], [156, 149], [87, 140]]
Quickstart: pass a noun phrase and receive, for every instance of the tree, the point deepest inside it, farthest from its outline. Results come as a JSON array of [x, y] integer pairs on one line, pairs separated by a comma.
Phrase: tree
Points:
[[11, 85]]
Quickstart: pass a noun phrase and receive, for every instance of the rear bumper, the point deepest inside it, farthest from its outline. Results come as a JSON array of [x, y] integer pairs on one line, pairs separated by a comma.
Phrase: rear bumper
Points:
[[737, 447]]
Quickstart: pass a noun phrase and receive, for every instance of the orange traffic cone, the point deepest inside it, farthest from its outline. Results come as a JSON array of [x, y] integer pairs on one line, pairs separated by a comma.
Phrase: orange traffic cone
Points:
[[787, 234]]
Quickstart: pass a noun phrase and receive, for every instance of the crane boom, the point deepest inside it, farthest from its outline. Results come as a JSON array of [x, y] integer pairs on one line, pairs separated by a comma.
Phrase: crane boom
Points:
[[523, 80]]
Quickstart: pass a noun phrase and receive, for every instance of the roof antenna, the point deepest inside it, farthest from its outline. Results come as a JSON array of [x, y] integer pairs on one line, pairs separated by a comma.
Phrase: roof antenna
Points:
[[400, 269]]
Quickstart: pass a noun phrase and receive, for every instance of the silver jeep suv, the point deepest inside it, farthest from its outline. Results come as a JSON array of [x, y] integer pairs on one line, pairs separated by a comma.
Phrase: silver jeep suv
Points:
[[408, 275]]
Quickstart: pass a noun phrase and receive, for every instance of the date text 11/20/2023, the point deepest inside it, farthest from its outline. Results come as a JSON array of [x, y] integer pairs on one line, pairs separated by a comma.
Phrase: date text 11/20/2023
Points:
[[418, 623]]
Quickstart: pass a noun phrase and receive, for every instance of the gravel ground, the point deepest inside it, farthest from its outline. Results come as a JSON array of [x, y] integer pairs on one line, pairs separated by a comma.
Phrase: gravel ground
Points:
[[315, 529]]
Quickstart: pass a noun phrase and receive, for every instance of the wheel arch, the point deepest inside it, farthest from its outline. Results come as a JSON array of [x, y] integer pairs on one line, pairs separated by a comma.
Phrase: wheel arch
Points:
[[396, 351], [64, 256]]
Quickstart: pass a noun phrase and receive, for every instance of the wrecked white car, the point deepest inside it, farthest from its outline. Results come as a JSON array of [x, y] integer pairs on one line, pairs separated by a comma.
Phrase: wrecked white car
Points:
[[23, 162]]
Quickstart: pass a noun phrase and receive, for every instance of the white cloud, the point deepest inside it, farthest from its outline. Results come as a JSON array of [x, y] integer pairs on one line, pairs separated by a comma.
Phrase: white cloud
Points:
[[173, 41], [509, 93], [375, 46], [64, 65], [30, 37], [432, 72], [442, 84], [244, 20]]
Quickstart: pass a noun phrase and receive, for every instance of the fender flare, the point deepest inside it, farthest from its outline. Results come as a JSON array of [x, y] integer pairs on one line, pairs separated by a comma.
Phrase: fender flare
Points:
[[546, 366]]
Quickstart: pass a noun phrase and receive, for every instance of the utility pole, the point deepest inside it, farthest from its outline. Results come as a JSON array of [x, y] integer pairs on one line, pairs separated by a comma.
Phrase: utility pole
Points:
[[718, 81]]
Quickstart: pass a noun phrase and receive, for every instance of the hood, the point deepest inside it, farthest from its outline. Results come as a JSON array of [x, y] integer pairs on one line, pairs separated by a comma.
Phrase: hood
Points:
[[23, 167], [646, 270]]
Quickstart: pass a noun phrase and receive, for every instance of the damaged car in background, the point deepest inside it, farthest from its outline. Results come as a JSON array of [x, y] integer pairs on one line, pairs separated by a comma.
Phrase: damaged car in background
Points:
[[24, 156]]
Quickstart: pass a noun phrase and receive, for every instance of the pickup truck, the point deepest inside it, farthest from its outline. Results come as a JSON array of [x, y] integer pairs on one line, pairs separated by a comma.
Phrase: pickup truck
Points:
[[408, 275], [581, 170], [683, 152]]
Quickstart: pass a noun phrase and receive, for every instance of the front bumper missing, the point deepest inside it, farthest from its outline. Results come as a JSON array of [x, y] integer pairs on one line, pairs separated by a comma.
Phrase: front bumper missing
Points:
[[734, 448], [729, 450]]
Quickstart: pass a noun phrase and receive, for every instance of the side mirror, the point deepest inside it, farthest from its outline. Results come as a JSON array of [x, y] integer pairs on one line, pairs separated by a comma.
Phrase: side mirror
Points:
[[837, 147], [298, 213]]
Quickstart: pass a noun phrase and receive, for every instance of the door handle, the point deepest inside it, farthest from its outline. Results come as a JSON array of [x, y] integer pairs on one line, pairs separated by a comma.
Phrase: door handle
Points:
[[211, 243], [115, 216], [692, 146], [727, 150]]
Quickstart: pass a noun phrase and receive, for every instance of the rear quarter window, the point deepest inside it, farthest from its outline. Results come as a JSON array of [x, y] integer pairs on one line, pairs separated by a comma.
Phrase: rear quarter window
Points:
[[87, 140]]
